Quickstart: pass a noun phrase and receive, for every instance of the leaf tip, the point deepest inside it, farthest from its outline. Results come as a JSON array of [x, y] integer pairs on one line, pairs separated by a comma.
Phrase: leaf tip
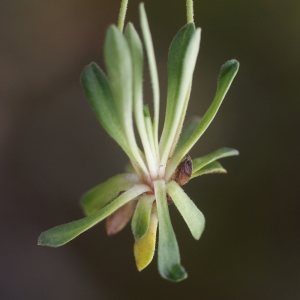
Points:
[[40, 241], [143, 252], [176, 274], [44, 241], [231, 66], [142, 5]]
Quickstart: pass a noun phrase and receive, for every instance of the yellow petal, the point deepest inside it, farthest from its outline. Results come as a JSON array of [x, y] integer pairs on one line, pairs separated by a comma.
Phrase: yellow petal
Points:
[[144, 249]]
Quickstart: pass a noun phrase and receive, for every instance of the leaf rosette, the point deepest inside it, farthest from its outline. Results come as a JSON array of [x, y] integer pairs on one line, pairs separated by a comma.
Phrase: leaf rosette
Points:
[[160, 166]]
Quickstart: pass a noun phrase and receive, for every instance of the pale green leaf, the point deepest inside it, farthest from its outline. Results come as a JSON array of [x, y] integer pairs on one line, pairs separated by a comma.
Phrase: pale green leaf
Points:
[[118, 63], [141, 218], [99, 196], [152, 68], [137, 59], [98, 92], [168, 252], [187, 131], [199, 163], [119, 69], [62, 234], [177, 53], [211, 168], [189, 211], [149, 128], [182, 59], [227, 74], [136, 50]]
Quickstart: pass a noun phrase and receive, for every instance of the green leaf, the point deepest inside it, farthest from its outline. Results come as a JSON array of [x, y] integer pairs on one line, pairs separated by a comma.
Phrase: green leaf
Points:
[[177, 53], [137, 58], [181, 121], [182, 59], [187, 131], [118, 63], [60, 235], [199, 163], [189, 211], [141, 218], [152, 68], [211, 168], [99, 196], [119, 69], [168, 252], [98, 92], [149, 129], [228, 72]]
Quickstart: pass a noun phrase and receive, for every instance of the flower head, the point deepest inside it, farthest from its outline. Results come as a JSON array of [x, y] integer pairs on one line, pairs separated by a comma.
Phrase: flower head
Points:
[[158, 171]]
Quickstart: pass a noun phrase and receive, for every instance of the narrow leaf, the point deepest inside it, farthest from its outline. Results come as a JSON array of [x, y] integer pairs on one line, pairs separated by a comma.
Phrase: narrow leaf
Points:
[[168, 252], [149, 129], [199, 163], [152, 68], [98, 92], [211, 168], [62, 234], [181, 121], [141, 219], [189, 211], [118, 63], [119, 68], [177, 52], [187, 131], [99, 196], [144, 249], [227, 74], [137, 58], [180, 85]]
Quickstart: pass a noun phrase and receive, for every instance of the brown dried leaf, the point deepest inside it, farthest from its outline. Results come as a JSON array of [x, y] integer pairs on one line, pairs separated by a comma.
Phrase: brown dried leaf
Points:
[[118, 220]]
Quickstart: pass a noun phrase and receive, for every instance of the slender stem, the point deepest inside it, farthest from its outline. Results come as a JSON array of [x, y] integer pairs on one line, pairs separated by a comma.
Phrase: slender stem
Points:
[[122, 14], [189, 11]]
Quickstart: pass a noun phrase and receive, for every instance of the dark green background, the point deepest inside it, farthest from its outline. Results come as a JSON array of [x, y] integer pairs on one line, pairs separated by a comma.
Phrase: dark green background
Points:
[[52, 150]]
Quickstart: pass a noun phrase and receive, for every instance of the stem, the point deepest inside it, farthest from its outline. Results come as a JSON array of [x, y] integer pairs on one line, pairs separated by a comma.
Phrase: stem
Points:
[[189, 11], [122, 14]]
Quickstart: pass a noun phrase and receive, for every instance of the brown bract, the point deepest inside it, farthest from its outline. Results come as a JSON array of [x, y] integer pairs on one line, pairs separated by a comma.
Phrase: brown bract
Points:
[[182, 174], [184, 171]]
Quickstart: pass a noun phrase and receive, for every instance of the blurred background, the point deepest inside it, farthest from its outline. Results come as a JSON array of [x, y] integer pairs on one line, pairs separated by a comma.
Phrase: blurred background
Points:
[[52, 149]]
